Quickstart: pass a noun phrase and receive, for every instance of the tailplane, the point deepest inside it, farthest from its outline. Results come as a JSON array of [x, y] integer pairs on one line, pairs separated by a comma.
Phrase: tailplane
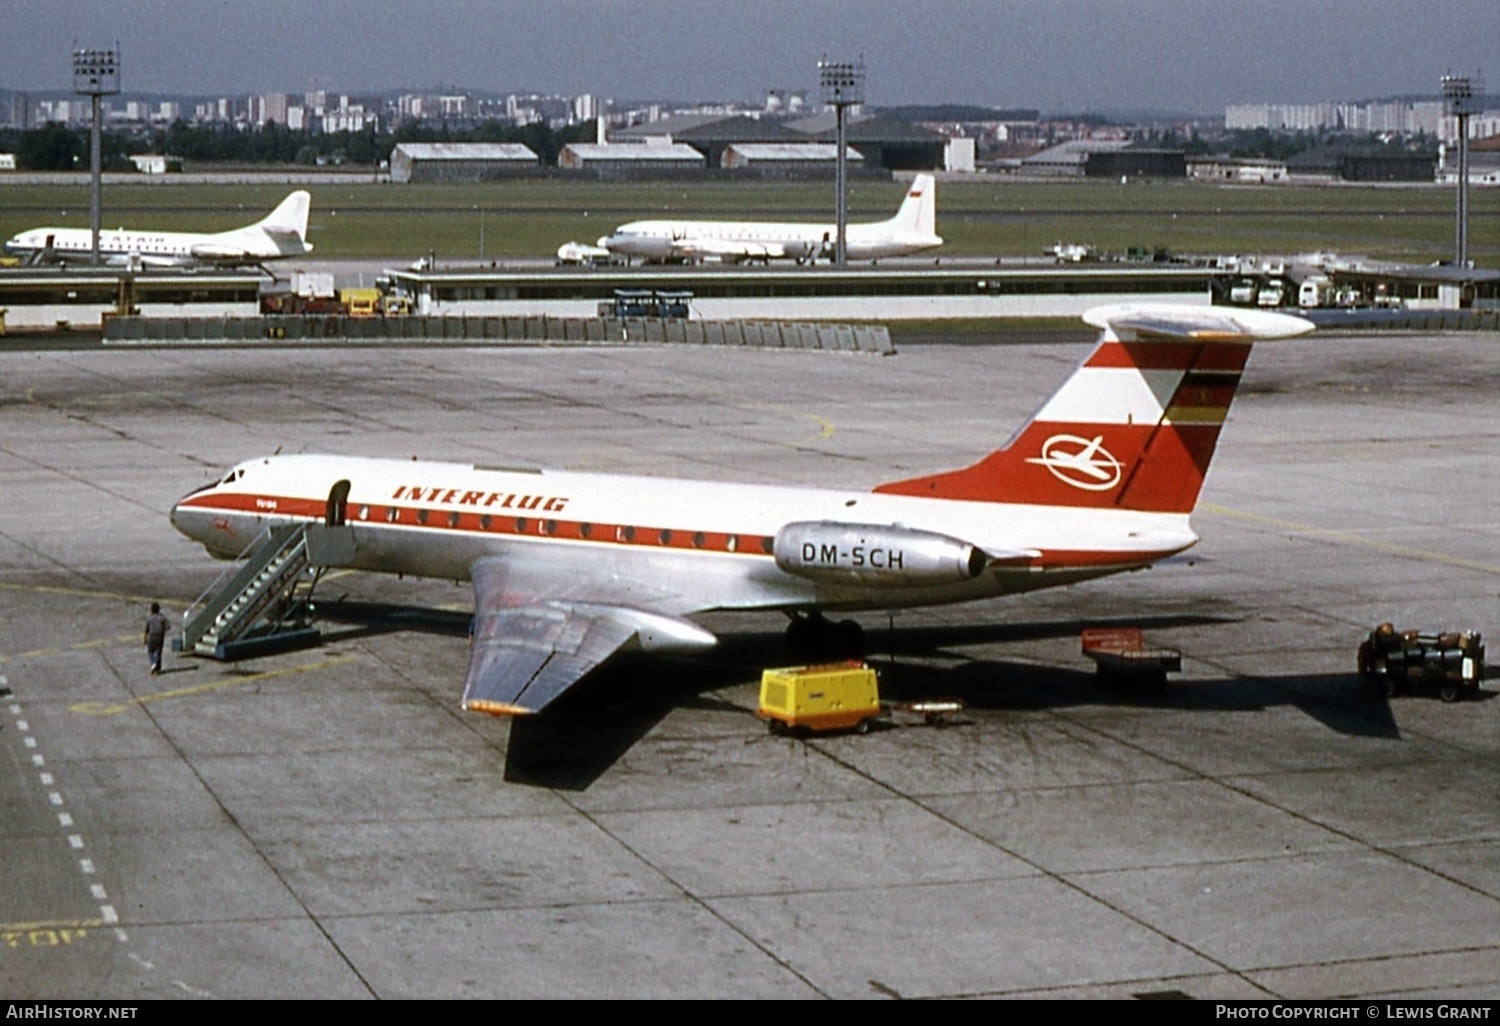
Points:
[[1135, 426]]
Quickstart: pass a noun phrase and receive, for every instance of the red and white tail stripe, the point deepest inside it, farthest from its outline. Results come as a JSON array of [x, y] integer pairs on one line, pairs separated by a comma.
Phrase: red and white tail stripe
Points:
[[1135, 426]]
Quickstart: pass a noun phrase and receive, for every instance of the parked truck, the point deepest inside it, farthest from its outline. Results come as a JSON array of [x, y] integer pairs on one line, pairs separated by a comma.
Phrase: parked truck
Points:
[[314, 294], [1315, 291]]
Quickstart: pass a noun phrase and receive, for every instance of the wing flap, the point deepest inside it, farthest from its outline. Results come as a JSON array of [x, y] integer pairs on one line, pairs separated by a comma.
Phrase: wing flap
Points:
[[730, 249], [523, 658], [541, 625]]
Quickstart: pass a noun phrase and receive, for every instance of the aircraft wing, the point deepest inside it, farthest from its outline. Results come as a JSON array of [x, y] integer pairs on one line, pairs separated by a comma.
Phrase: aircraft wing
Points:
[[147, 260], [219, 253], [728, 249], [540, 625]]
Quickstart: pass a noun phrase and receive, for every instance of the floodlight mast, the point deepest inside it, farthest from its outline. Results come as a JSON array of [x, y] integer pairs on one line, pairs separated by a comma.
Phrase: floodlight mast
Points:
[[843, 86], [96, 73], [1458, 100]]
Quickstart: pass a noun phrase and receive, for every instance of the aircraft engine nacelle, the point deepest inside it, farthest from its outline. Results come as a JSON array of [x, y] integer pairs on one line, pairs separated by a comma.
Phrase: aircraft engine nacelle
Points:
[[217, 252], [878, 555]]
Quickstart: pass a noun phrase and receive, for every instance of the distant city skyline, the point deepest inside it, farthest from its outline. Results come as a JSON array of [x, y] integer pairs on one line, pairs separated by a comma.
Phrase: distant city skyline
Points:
[[1059, 56]]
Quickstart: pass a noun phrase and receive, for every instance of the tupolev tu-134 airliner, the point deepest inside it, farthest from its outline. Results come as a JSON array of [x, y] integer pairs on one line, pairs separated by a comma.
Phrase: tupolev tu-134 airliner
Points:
[[569, 568]]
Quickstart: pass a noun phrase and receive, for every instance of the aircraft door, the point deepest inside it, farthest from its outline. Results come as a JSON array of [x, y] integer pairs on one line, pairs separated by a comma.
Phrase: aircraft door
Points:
[[338, 501]]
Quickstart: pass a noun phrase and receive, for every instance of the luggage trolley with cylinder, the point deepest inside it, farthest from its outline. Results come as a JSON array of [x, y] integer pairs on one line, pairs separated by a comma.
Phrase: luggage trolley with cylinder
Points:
[[1451, 661]]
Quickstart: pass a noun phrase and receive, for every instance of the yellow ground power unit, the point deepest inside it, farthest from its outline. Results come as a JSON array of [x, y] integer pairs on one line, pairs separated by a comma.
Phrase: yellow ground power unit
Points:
[[831, 696]]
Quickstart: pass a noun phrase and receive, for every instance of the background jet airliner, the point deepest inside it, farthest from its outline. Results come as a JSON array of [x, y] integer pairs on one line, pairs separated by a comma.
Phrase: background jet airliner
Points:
[[912, 229], [569, 568], [281, 234]]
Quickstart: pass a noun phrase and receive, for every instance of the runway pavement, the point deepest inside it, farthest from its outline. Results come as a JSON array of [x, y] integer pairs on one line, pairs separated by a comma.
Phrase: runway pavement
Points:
[[329, 824]]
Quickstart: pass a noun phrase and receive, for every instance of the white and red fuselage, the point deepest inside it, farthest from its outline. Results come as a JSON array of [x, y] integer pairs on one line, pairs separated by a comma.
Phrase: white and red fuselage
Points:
[[568, 567], [715, 540]]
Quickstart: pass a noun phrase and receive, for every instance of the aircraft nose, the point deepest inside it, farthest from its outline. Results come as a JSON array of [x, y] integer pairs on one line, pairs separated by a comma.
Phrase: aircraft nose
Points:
[[182, 515], [177, 519]]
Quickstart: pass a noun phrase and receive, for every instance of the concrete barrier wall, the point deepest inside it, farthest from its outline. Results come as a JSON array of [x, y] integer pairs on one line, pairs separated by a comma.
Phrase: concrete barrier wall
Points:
[[509, 330]]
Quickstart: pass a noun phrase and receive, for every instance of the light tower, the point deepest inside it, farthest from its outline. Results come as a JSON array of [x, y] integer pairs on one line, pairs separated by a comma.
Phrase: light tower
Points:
[[96, 73], [1458, 100], [843, 85]]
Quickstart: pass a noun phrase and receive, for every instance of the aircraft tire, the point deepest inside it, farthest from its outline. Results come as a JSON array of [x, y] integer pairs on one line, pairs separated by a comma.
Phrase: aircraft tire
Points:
[[848, 640]]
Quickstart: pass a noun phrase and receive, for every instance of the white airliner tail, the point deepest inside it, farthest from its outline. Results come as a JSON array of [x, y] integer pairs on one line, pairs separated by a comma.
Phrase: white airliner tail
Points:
[[281, 233], [289, 217], [918, 212]]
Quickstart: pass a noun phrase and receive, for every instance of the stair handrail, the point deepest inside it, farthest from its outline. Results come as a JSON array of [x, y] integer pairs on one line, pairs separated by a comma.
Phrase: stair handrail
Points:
[[202, 611], [290, 559]]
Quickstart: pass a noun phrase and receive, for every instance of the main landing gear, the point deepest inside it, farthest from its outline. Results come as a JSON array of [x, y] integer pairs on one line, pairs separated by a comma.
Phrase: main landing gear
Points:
[[814, 638]]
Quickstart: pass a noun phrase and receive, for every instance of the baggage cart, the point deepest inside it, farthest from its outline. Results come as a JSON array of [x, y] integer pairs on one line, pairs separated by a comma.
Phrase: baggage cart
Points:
[[1450, 661], [1120, 654]]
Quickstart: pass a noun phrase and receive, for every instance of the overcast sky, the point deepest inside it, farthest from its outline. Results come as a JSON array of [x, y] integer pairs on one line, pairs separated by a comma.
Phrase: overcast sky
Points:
[[1056, 55]]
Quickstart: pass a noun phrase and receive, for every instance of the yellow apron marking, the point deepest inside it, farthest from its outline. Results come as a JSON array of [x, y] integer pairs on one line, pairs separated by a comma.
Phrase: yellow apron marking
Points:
[[82, 646], [110, 709], [1353, 539], [58, 934], [111, 596]]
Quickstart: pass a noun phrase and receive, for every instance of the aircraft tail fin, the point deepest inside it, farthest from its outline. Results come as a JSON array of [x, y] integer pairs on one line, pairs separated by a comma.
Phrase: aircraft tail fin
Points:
[[290, 214], [289, 219], [917, 214], [1136, 424]]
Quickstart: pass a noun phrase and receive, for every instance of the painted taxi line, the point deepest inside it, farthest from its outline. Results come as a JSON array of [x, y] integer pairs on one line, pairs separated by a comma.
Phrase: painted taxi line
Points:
[[62, 933]]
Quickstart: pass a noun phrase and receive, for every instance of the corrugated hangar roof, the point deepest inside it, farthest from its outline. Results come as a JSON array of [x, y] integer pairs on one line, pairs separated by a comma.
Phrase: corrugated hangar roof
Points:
[[1076, 151], [866, 128], [670, 125], [792, 151], [635, 151], [738, 129], [467, 151]]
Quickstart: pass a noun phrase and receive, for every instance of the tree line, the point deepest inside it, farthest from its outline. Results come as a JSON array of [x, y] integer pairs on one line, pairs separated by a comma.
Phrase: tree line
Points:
[[59, 147]]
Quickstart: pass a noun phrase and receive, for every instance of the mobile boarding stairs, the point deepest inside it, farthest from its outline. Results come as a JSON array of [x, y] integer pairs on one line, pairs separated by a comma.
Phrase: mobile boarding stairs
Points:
[[263, 604]]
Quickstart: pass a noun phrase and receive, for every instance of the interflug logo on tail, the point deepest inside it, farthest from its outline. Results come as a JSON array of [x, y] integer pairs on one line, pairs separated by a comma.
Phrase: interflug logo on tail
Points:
[[1080, 462]]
